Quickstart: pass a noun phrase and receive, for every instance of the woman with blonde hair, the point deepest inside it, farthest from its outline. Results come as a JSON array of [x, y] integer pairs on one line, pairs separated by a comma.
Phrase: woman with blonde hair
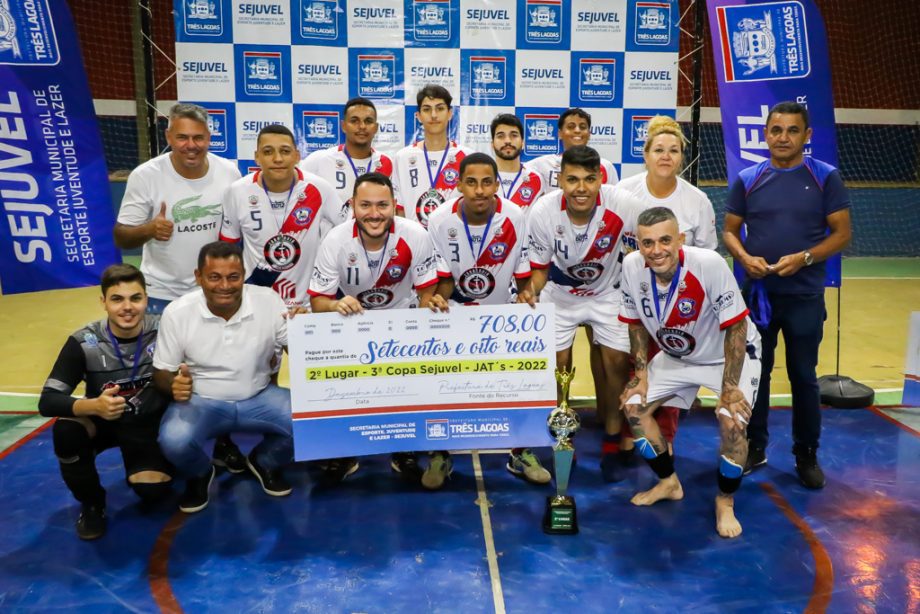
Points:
[[660, 185]]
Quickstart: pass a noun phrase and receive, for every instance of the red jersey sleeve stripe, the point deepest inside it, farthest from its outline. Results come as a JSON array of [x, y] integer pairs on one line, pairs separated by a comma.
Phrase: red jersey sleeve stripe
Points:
[[227, 239], [427, 284], [522, 275], [737, 318], [444, 275], [626, 320], [537, 265], [315, 293]]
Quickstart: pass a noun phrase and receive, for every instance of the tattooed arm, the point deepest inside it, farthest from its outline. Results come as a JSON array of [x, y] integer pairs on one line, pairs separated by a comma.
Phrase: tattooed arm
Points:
[[732, 398], [638, 347]]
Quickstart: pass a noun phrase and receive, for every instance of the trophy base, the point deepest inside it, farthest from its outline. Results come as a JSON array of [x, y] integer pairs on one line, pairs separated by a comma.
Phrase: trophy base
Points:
[[560, 517]]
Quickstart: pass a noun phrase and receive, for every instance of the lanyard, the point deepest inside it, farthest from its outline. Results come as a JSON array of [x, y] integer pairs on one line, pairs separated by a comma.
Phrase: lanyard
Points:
[[137, 351], [354, 169], [513, 181], [287, 203], [469, 237], [435, 178], [375, 270], [675, 281]]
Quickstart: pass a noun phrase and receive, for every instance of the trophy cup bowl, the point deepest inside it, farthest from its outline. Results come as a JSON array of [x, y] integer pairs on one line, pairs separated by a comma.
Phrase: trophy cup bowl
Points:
[[560, 517]]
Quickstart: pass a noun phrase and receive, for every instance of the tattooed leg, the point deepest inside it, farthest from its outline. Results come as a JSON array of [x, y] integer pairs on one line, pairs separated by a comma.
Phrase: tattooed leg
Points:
[[654, 448]]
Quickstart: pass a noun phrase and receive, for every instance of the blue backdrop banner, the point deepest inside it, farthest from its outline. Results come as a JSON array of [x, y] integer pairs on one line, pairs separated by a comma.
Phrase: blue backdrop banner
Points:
[[56, 228], [296, 62], [768, 52]]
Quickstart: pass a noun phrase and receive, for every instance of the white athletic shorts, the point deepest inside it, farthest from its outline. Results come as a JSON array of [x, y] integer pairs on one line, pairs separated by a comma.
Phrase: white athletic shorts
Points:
[[600, 313], [672, 377]]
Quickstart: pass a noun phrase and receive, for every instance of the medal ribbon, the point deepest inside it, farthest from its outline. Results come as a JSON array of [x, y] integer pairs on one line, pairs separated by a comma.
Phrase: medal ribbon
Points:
[[510, 191], [675, 281], [469, 236], [433, 180], [137, 351]]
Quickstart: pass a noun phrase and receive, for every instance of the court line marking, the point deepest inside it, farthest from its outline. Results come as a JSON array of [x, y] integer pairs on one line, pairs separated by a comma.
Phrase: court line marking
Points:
[[158, 566], [498, 599], [25, 439], [823, 586], [875, 410]]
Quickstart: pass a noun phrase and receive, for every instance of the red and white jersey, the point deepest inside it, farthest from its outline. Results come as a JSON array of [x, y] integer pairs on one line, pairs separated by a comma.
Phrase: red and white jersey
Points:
[[413, 172], [586, 260], [550, 165], [385, 279], [523, 188], [333, 165], [280, 253], [695, 215], [484, 262], [705, 300]]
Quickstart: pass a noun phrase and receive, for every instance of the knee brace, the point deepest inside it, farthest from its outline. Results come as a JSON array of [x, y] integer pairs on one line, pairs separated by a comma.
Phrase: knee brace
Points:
[[151, 492], [74, 449], [730, 474]]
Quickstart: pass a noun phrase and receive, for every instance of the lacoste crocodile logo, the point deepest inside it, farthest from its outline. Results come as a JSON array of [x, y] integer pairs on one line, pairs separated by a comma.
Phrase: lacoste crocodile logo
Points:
[[185, 210]]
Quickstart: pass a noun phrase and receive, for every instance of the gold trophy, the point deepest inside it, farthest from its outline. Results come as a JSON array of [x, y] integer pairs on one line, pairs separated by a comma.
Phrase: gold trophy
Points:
[[560, 517]]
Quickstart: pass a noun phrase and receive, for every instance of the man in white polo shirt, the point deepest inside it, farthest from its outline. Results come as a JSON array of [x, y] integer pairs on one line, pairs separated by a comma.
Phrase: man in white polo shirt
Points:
[[216, 356]]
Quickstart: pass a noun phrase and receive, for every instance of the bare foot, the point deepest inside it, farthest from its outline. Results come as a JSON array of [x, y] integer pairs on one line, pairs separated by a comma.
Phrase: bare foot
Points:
[[726, 523], [668, 488]]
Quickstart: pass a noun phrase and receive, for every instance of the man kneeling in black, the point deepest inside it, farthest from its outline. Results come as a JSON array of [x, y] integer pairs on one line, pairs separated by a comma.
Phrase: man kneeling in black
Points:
[[114, 356]]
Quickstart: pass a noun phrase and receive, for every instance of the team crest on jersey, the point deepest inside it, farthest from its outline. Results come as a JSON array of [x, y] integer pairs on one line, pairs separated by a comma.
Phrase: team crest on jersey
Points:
[[352, 258], [450, 176], [253, 200], [393, 253], [560, 230], [427, 203], [675, 342], [91, 340], [586, 272], [395, 272], [282, 252], [498, 251], [339, 164], [151, 349], [526, 193], [686, 307], [303, 215], [375, 298], [452, 233], [413, 160], [681, 286], [643, 287], [477, 283], [602, 244]]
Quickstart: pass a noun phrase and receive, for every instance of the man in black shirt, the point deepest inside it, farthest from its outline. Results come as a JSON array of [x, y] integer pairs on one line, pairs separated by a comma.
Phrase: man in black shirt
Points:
[[121, 407]]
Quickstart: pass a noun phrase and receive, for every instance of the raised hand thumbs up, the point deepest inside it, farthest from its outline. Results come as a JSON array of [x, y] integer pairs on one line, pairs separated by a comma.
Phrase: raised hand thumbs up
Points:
[[182, 384], [162, 227], [110, 405]]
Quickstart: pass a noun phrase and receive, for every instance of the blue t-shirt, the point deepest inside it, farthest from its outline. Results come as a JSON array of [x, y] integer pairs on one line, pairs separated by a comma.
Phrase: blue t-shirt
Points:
[[786, 211]]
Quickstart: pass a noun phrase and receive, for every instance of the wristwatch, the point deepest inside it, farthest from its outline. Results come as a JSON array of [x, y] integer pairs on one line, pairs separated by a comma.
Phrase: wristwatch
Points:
[[809, 259]]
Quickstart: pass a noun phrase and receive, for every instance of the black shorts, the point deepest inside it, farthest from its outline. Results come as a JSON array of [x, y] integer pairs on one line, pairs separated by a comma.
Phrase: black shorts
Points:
[[136, 437]]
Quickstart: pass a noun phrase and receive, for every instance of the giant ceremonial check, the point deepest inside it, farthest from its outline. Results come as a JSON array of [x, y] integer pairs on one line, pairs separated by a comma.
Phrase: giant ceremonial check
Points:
[[410, 380]]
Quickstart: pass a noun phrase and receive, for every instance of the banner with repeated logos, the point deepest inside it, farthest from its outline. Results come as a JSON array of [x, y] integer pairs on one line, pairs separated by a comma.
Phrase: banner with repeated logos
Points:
[[56, 228], [768, 52], [296, 62]]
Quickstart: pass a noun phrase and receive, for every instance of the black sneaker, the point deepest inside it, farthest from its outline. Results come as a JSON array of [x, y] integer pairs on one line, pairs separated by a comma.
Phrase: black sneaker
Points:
[[757, 457], [337, 469], [808, 469], [228, 456], [91, 523], [195, 498], [406, 465], [272, 481]]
